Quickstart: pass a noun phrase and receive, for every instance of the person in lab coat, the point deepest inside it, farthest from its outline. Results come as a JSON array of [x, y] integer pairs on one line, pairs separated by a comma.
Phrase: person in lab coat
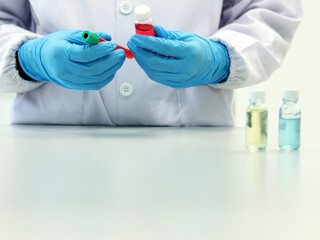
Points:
[[185, 76]]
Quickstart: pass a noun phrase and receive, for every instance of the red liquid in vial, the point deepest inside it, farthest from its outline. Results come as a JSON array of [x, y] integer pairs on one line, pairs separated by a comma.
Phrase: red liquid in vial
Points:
[[145, 29]]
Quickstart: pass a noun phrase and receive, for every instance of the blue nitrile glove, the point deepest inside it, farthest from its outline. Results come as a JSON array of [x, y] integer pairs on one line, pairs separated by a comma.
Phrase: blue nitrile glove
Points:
[[180, 59], [64, 59]]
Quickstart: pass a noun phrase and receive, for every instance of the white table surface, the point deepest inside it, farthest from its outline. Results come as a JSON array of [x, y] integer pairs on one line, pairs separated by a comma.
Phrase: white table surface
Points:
[[64, 182]]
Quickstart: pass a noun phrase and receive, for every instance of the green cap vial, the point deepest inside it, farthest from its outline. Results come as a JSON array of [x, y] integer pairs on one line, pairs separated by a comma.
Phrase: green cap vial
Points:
[[90, 37]]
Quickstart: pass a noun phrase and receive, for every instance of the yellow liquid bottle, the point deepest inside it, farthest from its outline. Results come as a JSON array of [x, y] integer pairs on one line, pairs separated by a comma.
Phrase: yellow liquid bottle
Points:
[[257, 122]]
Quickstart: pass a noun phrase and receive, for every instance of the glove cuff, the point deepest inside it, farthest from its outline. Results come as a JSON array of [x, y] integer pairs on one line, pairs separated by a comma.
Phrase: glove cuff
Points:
[[221, 62], [24, 53], [22, 74]]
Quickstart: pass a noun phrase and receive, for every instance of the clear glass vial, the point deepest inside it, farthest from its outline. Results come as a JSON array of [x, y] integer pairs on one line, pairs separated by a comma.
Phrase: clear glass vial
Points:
[[289, 121], [257, 122]]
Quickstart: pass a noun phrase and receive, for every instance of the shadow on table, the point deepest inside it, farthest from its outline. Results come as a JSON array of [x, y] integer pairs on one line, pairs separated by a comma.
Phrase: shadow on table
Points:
[[108, 132]]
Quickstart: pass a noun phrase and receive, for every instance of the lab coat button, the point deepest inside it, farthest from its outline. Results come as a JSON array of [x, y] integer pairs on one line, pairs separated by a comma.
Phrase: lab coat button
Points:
[[126, 7], [126, 89]]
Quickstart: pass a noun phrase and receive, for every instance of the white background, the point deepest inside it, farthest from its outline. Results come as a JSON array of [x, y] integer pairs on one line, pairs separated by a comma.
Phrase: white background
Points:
[[300, 70]]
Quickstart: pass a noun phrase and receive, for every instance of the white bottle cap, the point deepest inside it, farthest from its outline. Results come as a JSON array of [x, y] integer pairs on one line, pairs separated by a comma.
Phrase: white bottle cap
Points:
[[142, 12], [256, 94], [290, 94]]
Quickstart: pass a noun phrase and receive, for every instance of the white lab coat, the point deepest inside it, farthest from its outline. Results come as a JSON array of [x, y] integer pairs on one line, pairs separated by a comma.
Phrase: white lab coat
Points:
[[257, 34]]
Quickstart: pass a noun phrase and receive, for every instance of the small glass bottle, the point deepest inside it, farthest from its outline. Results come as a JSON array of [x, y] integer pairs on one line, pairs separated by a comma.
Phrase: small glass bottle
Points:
[[289, 121], [143, 22], [257, 122]]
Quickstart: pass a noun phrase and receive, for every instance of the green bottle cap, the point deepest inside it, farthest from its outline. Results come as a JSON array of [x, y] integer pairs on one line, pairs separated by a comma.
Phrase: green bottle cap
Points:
[[90, 37]]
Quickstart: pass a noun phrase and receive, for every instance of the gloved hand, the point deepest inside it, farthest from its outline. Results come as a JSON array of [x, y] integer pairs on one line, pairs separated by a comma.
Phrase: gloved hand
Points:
[[64, 59], [180, 59]]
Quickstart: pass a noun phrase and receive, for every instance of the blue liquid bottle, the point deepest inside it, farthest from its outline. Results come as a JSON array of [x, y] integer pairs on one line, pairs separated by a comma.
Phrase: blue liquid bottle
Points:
[[289, 121]]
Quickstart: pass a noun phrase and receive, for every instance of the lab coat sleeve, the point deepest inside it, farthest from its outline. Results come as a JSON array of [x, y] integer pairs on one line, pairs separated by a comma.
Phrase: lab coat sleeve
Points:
[[16, 26], [257, 35]]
